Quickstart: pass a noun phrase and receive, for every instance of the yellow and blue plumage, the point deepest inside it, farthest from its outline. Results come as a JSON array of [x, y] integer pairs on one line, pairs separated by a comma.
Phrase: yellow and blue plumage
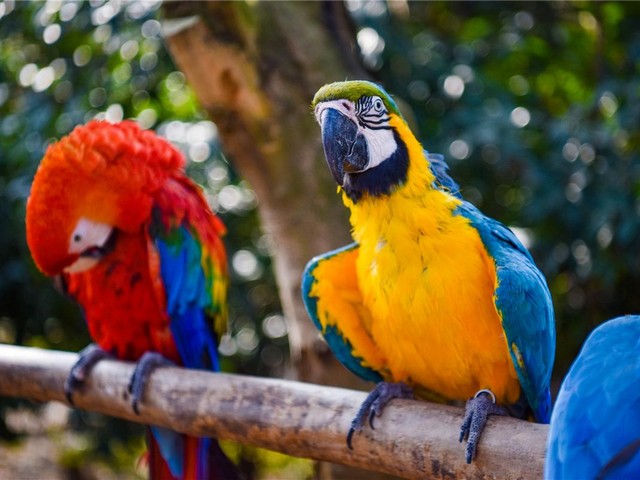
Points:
[[433, 294]]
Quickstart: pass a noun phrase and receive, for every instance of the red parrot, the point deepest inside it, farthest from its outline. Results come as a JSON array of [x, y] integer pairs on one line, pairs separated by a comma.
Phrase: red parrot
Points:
[[112, 215]]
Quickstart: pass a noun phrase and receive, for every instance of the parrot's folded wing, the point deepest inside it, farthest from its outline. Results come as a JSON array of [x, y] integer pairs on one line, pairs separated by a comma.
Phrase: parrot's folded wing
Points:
[[188, 298], [188, 261], [334, 303], [190, 303], [524, 303]]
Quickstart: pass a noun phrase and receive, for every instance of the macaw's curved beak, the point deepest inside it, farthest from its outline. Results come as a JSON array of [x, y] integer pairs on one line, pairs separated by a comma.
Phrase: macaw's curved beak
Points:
[[344, 148]]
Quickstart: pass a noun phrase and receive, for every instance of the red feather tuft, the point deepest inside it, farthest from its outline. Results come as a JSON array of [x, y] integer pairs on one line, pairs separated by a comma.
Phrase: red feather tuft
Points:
[[102, 171]]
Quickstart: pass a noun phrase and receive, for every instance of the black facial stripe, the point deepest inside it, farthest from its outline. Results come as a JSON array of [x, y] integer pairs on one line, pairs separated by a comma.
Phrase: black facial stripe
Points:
[[363, 105], [374, 125], [376, 120], [368, 117], [378, 127]]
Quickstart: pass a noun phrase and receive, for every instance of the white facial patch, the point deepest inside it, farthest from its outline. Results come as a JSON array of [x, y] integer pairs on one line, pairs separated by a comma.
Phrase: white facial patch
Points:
[[88, 234], [381, 143]]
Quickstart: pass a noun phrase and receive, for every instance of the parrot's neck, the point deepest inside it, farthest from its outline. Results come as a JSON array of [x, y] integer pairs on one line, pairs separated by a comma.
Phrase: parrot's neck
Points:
[[416, 203], [427, 215]]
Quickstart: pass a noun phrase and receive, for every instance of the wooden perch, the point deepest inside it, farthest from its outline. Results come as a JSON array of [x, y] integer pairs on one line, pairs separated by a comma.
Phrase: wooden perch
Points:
[[412, 439]]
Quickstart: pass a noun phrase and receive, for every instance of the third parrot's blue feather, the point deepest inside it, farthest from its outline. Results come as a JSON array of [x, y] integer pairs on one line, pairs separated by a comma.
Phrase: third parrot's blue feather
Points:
[[594, 429]]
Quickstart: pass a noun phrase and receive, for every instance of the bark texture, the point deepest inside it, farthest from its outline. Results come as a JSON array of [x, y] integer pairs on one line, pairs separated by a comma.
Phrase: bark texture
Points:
[[412, 439]]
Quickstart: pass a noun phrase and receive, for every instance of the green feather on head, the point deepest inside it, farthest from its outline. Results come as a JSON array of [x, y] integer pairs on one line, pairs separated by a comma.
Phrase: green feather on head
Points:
[[354, 90]]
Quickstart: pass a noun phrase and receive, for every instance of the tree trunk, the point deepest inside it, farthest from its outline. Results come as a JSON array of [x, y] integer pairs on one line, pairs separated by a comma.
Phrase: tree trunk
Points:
[[255, 68]]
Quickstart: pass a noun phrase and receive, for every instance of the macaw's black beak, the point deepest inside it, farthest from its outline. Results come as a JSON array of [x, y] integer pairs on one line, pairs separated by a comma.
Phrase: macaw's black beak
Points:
[[344, 148]]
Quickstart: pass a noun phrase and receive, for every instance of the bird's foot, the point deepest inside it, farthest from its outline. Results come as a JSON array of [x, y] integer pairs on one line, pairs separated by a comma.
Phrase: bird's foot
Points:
[[89, 356], [375, 403], [147, 363], [476, 412]]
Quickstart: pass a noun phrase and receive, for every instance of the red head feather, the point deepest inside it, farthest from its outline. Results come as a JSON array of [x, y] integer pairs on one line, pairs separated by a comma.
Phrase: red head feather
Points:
[[103, 172]]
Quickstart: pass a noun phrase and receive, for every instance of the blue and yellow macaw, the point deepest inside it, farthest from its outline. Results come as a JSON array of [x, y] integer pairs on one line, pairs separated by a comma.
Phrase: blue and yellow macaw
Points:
[[433, 298], [595, 423]]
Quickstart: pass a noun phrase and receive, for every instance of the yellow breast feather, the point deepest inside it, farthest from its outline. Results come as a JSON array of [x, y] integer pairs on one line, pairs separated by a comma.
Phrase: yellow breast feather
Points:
[[428, 285]]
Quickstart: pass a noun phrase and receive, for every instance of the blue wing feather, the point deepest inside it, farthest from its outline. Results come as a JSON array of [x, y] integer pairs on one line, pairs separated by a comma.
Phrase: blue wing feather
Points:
[[594, 427], [340, 346], [187, 299], [187, 302], [171, 447], [523, 300], [440, 169]]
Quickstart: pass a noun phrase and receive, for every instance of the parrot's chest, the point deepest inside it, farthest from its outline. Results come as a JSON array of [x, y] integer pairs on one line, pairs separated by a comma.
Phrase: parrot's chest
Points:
[[430, 294], [123, 310]]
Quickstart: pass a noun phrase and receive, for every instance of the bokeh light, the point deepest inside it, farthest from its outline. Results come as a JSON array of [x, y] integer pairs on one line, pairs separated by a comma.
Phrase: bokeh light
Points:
[[520, 117], [454, 86]]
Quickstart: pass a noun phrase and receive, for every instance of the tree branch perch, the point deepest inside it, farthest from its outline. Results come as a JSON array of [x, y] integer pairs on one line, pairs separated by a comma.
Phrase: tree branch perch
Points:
[[412, 439]]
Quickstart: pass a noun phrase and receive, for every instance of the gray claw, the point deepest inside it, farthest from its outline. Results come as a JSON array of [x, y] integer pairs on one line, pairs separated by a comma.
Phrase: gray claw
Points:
[[147, 363], [374, 405], [89, 356], [477, 410]]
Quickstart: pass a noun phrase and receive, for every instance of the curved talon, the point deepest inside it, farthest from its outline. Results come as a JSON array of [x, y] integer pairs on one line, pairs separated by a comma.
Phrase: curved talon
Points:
[[476, 413], [372, 414], [89, 356], [350, 437], [147, 363], [374, 405]]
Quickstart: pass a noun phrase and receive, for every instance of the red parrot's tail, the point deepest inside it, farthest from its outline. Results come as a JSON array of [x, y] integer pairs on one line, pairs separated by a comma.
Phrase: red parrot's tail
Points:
[[203, 459], [158, 468]]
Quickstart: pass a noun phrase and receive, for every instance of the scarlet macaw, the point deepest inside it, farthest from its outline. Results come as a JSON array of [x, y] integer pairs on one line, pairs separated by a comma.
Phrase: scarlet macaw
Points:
[[594, 425], [433, 297], [112, 215]]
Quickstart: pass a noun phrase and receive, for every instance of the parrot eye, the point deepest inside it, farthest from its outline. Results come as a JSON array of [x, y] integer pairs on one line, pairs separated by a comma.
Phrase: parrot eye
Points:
[[378, 104], [77, 237]]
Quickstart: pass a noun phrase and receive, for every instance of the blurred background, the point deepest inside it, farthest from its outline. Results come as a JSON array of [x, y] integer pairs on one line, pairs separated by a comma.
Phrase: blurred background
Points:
[[535, 106]]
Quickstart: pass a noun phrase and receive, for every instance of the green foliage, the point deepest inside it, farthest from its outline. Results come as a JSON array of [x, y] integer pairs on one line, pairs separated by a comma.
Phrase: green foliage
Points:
[[260, 463], [535, 106]]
